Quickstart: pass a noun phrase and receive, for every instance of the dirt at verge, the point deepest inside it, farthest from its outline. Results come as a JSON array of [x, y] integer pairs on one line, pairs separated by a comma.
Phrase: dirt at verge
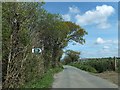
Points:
[[109, 75]]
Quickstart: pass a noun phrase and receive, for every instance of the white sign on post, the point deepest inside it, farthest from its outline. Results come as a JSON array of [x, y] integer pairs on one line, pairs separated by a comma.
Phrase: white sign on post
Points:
[[32, 50], [36, 50]]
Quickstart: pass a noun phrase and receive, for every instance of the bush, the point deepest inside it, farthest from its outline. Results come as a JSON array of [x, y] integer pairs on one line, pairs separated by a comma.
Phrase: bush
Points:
[[84, 67], [118, 70], [101, 65], [88, 68]]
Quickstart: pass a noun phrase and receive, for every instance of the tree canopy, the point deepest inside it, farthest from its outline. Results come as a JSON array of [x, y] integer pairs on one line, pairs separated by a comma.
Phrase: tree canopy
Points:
[[71, 56], [28, 25]]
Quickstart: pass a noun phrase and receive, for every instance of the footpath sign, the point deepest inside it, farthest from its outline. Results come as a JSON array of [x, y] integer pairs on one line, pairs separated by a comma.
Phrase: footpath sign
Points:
[[36, 50]]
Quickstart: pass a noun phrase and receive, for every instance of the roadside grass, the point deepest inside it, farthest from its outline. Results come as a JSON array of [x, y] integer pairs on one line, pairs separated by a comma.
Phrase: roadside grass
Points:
[[44, 82]]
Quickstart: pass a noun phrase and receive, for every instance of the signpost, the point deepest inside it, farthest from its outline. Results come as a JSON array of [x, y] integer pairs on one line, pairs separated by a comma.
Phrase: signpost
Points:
[[36, 50]]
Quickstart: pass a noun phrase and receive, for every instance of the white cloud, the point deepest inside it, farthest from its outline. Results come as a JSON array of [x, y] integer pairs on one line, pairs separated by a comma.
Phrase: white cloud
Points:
[[66, 17], [74, 9], [108, 51], [106, 47], [100, 40], [115, 41], [103, 25], [99, 16]]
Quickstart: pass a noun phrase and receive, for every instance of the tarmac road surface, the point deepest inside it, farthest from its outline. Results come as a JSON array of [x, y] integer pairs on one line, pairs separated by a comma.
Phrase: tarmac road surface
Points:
[[72, 77]]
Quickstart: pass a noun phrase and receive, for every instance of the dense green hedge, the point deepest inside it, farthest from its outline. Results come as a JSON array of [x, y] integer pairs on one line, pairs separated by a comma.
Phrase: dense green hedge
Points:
[[101, 65], [118, 67], [85, 67], [98, 65]]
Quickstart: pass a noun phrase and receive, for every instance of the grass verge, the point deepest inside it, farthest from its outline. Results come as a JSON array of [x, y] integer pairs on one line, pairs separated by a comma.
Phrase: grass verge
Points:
[[44, 82]]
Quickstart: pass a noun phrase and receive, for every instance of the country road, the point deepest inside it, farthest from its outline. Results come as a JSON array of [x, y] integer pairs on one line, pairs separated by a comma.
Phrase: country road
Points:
[[72, 77]]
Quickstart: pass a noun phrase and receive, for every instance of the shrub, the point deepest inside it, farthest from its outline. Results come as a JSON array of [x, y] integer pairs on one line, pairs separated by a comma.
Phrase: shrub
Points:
[[101, 65], [88, 68], [84, 67], [118, 70]]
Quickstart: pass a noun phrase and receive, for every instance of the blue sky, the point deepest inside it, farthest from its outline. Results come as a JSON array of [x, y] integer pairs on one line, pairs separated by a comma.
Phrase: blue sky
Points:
[[99, 19]]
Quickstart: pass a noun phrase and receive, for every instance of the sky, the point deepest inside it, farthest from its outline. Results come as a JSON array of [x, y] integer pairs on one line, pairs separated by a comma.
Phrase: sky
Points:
[[99, 19]]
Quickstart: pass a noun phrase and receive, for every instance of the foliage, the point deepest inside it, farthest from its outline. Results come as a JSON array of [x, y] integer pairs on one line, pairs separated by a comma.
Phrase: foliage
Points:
[[99, 64], [84, 67], [17, 23], [71, 56], [118, 65], [27, 25], [67, 60], [45, 81], [76, 33]]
